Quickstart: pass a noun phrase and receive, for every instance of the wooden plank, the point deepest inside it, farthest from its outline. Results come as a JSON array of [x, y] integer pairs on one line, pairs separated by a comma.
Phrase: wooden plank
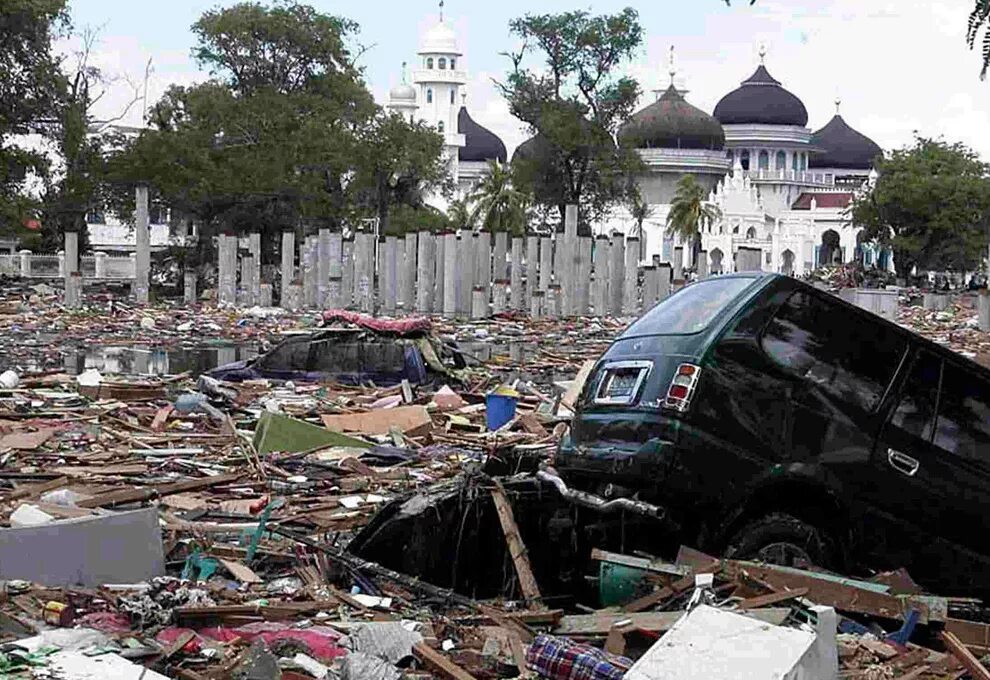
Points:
[[657, 622], [32, 490], [772, 598], [242, 573], [406, 418], [574, 391], [133, 495], [517, 549], [971, 633], [438, 662], [965, 657]]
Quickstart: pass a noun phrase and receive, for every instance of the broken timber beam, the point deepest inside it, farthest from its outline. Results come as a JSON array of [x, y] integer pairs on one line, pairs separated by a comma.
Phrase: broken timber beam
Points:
[[439, 663], [965, 657], [134, 495], [601, 623], [517, 549]]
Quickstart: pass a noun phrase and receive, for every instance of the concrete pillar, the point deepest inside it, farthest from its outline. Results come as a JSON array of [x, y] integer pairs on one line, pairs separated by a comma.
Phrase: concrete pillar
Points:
[[678, 263], [536, 305], [651, 287], [71, 262], [335, 271], [440, 262], [310, 273], [254, 246], [616, 273], [466, 274], [479, 302], [288, 264], [390, 275], [499, 295], [189, 288], [516, 277], [364, 273], [142, 239], [599, 294], [100, 265], [546, 263], [983, 310], [265, 295], [347, 273], [407, 293], [483, 260], [702, 266], [935, 301], [584, 245], [532, 266], [227, 272], [630, 288], [294, 301], [554, 301], [25, 262], [61, 263], [322, 267], [451, 274], [498, 259], [245, 295], [663, 281], [425, 270], [73, 290]]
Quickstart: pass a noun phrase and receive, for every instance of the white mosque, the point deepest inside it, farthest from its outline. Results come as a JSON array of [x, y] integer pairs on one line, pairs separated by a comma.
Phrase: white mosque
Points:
[[780, 187]]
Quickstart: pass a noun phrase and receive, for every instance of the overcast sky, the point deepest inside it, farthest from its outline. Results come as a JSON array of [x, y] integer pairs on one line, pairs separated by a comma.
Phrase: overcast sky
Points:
[[899, 66]]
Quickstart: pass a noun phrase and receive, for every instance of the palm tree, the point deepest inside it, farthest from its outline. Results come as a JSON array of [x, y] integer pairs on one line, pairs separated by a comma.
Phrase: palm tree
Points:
[[640, 211], [498, 205], [690, 212], [460, 215]]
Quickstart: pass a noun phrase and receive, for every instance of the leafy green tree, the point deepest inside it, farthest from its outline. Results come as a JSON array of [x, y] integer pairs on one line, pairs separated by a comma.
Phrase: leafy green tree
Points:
[[28, 93], [690, 212], [930, 205], [397, 163], [640, 211], [573, 101], [460, 215], [498, 205]]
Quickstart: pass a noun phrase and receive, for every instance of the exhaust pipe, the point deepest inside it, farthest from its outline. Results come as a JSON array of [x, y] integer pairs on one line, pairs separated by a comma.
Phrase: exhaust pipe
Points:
[[597, 503]]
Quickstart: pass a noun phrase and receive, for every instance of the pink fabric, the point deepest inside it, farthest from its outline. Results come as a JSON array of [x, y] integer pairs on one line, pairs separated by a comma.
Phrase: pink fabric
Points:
[[401, 326], [322, 641], [106, 622]]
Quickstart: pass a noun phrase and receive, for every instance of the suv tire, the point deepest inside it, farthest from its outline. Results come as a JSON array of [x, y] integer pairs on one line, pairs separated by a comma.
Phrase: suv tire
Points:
[[783, 540]]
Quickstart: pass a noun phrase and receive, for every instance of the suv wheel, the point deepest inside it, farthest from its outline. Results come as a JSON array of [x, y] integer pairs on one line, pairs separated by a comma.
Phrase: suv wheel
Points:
[[783, 540]]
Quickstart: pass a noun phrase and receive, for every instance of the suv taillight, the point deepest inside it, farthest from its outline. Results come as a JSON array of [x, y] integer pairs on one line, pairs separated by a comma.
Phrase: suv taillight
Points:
[[681, 388]]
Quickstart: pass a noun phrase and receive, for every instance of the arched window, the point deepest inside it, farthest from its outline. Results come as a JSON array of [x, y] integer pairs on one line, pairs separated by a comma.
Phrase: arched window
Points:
[[744, 159], [440, 126], [781, 163], [452, 96], [442, 64], [429, 63], [764, 160], [794, 161], [453, 63], [751, 233], [429, 96], [804, 161]]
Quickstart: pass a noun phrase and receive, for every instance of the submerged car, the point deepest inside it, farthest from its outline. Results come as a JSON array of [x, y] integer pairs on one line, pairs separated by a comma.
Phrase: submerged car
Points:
[[768, 419], [354, 349]]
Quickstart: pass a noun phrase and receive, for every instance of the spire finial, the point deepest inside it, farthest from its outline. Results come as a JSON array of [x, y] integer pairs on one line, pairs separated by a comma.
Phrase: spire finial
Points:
[[672, 70], [838, 103], [404, 73], [464, 99], [441, 11], [763, 52]]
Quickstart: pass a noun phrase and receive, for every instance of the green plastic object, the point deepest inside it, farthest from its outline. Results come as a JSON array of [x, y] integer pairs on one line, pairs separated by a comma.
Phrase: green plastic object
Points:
[[260, 531], [618, 584], [280, 433]]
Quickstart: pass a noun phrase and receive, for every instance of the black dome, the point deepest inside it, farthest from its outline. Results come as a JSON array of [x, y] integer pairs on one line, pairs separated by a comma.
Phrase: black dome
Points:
[[843, 147], [671, 123], [760, 99], [481, 144]]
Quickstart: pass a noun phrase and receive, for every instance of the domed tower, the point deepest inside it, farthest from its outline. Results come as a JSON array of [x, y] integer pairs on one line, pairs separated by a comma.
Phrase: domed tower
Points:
[[767, 138], [402, 98], [481, 146], [439, 80], [846, 156]]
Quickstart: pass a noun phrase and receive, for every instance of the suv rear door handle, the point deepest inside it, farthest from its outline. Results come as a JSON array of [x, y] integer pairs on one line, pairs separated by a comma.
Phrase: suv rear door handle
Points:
[[902, 462]]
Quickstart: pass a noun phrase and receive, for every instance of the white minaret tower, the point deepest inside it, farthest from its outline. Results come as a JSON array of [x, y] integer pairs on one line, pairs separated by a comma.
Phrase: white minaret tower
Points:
[[439, 81], [402, 98]]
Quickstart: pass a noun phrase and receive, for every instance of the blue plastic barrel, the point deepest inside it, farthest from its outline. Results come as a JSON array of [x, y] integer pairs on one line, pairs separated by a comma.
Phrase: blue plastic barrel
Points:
[[499, 409]]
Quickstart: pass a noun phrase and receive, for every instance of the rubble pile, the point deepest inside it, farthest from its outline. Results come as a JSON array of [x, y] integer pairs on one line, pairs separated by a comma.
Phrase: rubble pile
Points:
[[955, 327]]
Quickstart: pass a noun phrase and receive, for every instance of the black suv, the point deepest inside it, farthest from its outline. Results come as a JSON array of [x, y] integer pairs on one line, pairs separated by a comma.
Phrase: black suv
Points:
[[772, 420]]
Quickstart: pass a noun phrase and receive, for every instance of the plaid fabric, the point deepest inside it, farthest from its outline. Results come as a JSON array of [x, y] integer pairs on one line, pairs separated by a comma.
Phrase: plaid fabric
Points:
[[562, 659]]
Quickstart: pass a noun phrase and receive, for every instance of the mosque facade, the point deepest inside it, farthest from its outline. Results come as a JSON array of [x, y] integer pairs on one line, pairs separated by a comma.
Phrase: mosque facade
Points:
[[779, 186]]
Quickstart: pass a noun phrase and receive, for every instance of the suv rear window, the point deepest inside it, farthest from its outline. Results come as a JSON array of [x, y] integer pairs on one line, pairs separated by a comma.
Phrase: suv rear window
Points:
[[691, 309]]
